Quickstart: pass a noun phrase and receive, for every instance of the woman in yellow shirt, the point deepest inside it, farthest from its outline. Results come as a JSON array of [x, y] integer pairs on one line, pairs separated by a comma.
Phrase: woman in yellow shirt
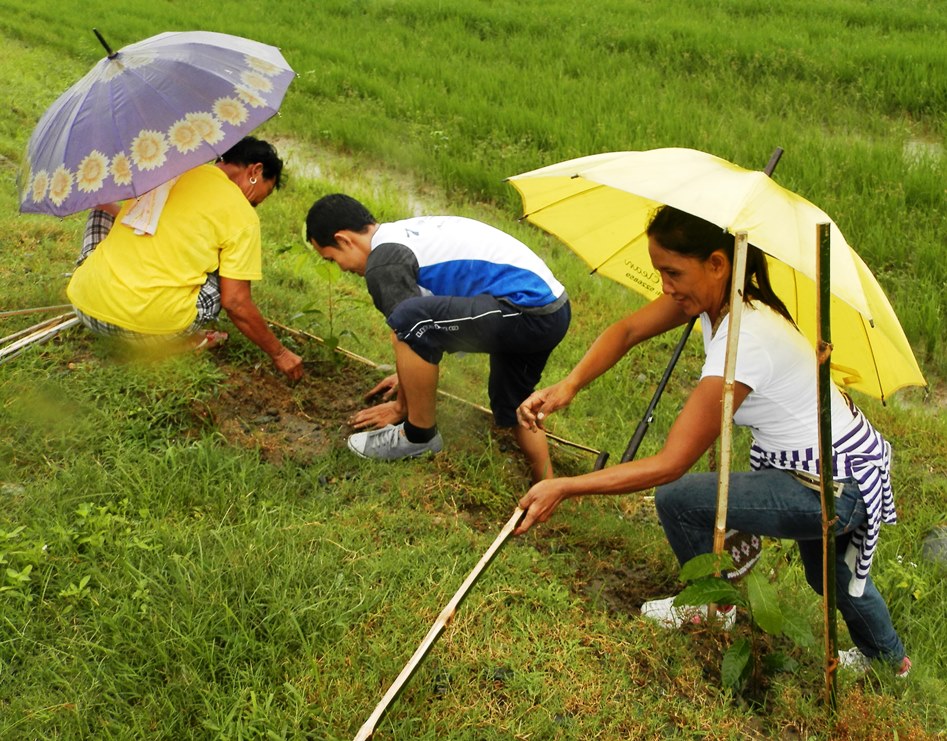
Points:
[[202, 252]]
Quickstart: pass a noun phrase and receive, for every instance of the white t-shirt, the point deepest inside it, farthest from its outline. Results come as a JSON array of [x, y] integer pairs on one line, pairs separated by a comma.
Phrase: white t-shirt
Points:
[[779, 365]]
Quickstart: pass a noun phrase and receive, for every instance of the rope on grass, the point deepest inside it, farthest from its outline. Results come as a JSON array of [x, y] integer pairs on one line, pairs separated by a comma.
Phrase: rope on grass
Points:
[[445, 394]]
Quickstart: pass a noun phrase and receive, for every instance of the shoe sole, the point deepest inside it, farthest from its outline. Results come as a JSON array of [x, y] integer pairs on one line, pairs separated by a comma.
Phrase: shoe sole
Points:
[[390, 460]]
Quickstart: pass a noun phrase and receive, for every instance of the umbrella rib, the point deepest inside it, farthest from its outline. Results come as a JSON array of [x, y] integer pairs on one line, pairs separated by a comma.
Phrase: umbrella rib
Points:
[[551, 204], [874, 361], [117, 136], [605, 261]]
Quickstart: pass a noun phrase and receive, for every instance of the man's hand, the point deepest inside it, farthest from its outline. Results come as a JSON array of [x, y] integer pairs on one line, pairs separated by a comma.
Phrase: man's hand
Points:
[[378, 416], [540, 404], [387, 388]]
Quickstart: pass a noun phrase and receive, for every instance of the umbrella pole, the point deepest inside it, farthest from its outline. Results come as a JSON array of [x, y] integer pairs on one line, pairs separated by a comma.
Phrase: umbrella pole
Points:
[[729, 373], [445, 617], [733, 337], [823, 238], [632, 450]]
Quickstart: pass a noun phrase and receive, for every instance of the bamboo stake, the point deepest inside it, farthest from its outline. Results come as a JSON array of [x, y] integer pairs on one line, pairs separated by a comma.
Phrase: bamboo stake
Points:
[[36, 310], [441, 392], [36, 327], [729, 373], [443, 620], [15, 348], [823, 238]]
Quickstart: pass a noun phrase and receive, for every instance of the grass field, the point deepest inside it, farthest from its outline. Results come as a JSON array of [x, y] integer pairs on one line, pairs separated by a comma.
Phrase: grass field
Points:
[[188, 550]]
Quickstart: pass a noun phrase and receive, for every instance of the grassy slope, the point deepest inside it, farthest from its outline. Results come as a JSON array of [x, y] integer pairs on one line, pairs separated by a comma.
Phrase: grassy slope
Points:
[[224, 593]]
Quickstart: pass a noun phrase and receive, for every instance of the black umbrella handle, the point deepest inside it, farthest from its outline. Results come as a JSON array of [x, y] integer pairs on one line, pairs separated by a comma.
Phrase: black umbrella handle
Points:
[[645, 422], [632, 450]]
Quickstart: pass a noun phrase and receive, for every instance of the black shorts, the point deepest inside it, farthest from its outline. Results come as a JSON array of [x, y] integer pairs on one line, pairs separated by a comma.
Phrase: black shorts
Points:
[[519, 344]]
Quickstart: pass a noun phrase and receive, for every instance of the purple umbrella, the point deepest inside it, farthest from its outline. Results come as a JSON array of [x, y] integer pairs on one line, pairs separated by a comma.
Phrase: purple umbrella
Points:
[[147, 113]]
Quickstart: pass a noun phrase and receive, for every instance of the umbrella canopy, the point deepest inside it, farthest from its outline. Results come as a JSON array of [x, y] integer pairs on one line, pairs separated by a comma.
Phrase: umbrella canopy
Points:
[[147, 113], [600, 206]]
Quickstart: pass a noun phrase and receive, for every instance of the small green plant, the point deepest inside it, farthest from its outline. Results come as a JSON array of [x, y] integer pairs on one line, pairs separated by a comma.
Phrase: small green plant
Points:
[[323, 313], [904, 576], [759, 598], [74, 594], [18, 582], [18, 574]]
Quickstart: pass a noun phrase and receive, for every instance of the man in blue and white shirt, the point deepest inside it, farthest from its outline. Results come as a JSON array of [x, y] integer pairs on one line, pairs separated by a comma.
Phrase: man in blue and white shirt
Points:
[[446, 284]]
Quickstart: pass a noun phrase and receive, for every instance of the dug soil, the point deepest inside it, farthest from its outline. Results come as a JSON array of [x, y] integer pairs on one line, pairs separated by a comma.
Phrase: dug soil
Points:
[[258, 409]]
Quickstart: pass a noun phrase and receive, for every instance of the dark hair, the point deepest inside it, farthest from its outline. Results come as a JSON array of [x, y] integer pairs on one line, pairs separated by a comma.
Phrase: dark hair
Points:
[[333, 213], [249, 151], [686, 234]]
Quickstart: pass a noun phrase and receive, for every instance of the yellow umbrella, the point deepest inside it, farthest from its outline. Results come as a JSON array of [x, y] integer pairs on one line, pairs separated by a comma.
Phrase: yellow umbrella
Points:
[[600, 207]]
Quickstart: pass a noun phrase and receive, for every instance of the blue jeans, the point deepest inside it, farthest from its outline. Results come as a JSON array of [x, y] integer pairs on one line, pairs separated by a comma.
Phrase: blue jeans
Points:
[[774, 503]]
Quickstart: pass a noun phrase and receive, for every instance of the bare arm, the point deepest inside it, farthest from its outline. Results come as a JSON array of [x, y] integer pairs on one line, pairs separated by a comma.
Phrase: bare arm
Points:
[[657, 317], [236, 300], [694, 430]]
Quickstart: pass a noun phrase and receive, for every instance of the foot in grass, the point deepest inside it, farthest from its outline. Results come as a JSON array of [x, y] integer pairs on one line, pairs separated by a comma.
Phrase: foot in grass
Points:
[[857, 661], [664, 613], [210, 339]]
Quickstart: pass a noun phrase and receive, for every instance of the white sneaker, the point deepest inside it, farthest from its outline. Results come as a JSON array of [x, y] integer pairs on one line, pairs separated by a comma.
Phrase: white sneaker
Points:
[[390, 444], [663, 612], [855, 660]]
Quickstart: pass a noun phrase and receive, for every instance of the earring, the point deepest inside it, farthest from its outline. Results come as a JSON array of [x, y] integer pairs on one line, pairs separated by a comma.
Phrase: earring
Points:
[[252, 181]]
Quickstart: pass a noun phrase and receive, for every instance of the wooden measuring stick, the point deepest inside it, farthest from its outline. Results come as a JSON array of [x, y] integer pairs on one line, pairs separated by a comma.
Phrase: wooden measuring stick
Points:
[[445, 617]]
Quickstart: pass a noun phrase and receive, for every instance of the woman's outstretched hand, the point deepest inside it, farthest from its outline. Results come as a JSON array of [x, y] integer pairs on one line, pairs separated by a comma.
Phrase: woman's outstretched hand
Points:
[[540, 502]]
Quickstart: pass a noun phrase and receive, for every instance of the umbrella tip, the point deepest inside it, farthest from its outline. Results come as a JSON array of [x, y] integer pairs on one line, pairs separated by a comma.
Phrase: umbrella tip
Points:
[[773, 161], [112, 54]]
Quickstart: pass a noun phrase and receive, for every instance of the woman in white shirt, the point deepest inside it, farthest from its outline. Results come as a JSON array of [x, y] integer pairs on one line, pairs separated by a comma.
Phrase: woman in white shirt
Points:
[[775, 396]]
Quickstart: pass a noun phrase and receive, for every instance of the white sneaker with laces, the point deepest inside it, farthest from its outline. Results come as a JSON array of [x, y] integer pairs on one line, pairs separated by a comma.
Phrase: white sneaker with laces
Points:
[[390, 444], [855, 660], [663, 612]]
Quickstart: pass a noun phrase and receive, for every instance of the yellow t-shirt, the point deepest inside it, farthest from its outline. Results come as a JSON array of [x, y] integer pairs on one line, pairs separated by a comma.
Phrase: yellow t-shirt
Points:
[[149, 284]]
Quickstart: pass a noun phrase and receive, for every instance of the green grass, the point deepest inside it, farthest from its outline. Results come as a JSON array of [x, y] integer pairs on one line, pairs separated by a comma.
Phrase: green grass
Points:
[[159, 581]]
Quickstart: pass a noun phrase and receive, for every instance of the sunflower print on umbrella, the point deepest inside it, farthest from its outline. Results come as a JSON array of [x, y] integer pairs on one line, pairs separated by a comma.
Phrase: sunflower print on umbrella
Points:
[[114, 144]]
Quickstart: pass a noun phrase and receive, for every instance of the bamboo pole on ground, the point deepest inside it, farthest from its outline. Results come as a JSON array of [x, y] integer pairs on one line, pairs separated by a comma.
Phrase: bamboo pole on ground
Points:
[[46, 332], [34, 310], [823, 239], [729, 373], [35, 327], [443, 620]]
